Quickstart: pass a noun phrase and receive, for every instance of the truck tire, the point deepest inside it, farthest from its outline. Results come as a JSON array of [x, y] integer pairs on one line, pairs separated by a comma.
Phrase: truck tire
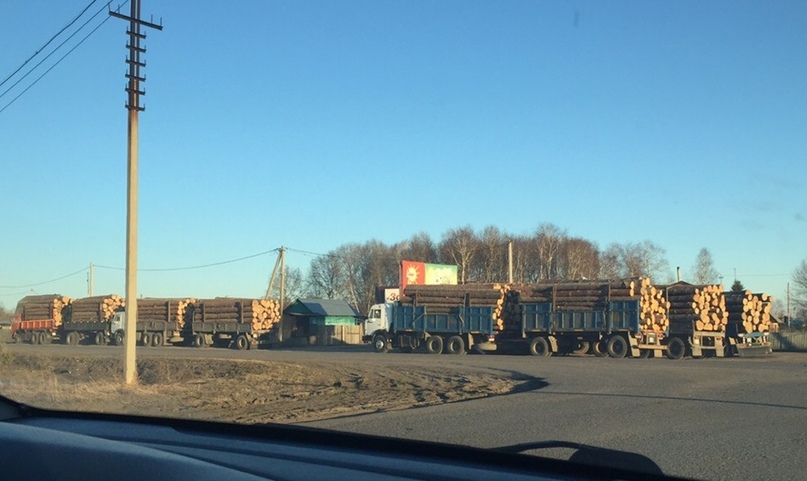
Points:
[[676, 349], [617, 347], [645, 353], [145, 339], [198, 341], [157, 339], [540, 347], [44, 338], [100, 339], [582, 347], [71, 338], [241, 342], [380, 343], [598, 349], [455, 345], [434, 345], [117, 339]]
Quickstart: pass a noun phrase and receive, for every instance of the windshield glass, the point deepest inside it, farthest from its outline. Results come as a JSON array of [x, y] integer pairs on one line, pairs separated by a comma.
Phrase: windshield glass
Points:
[[586, 218]]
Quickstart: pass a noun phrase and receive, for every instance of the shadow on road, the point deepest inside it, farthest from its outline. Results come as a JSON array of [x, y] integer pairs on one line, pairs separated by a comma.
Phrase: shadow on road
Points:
[[675, 398]]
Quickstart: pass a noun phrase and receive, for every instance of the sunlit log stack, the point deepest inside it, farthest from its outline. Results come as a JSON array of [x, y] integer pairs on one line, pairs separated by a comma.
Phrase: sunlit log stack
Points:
[[653, 307], [157, 309], [42, 307], [95, 309], [262, 314], [705, 305], [751, 312]]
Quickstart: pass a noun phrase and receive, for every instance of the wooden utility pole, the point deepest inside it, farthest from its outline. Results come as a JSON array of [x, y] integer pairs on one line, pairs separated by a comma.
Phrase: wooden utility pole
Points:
[[510, 262], [90, 279], [133, 106], [282, 291]]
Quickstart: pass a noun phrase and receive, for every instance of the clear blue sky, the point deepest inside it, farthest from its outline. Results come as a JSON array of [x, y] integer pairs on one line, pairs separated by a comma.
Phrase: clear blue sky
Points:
[[313, 124]]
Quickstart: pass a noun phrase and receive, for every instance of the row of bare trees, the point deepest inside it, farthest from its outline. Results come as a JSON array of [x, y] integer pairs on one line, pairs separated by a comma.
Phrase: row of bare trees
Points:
[[353, 271]]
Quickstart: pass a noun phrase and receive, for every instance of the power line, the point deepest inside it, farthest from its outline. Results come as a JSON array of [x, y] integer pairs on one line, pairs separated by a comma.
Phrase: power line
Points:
[[48, 42], [57, 62], [214, 264], [45, 282]]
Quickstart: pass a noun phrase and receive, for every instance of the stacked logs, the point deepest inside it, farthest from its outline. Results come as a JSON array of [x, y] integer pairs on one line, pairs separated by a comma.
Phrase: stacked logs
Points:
[[168, 310], [750, 312], [653, 307], [580, 295], [705, 305], [447, 296], [95, 309], [261, 314], [43, 307]]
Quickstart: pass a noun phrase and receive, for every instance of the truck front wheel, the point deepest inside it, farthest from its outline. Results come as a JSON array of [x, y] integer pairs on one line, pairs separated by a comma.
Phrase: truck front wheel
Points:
[[540, 347], [617, 347], [380, 343], [455, 345], [434, 345], [117, 339]]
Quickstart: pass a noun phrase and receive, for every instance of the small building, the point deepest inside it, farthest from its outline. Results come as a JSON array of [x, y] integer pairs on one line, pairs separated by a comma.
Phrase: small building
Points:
[[324, 322]]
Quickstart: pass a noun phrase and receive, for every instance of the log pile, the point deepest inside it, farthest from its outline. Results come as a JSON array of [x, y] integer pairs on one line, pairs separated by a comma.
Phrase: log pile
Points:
[[579, 295], [261, 314], [653, 307], [750, 312], [164, 310], [95, 309], [42, 307], [703, 305], [445, 297]]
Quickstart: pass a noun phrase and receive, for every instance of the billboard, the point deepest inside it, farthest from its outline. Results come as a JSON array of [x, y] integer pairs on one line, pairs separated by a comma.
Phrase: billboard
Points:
[[420, 273]]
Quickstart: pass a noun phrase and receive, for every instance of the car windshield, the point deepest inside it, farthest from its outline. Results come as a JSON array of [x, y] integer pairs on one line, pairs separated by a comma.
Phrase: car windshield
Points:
[[578, 222]]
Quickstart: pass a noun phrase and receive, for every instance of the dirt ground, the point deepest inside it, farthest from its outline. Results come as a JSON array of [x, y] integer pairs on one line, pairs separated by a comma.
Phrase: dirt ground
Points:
[[241, 391]]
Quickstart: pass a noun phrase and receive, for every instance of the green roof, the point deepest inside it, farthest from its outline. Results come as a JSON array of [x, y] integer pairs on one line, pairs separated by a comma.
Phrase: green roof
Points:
[[323, 308]]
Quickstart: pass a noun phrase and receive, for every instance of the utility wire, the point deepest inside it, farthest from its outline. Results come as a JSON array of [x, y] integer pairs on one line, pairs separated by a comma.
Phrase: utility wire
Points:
[[46, 282], [48, 42], [170, 269], [57, 62]]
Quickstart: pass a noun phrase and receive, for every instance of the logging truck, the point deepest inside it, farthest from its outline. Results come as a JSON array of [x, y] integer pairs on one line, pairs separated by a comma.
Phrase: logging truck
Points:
[[43, 319], [454, 330], [617, 332], [228, 323]]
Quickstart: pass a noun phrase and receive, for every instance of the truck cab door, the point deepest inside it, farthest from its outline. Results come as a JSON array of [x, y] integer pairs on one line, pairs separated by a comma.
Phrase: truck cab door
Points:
[[376, 320]]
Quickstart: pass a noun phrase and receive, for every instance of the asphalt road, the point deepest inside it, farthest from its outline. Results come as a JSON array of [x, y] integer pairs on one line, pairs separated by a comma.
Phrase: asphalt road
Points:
[[737, 418]]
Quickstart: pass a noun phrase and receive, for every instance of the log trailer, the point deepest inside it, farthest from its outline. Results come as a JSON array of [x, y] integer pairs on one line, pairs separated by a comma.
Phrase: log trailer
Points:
[[454, 330], [616, 332]]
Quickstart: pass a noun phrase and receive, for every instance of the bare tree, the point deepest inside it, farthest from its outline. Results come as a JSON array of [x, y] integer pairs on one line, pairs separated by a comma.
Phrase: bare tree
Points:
[[800, 282], [492, 258], [578, 258], [610, 267], [459, 247], [294, 286], [420, 247], [704, 270], [550, 238], [644, 259], [326, 277]]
